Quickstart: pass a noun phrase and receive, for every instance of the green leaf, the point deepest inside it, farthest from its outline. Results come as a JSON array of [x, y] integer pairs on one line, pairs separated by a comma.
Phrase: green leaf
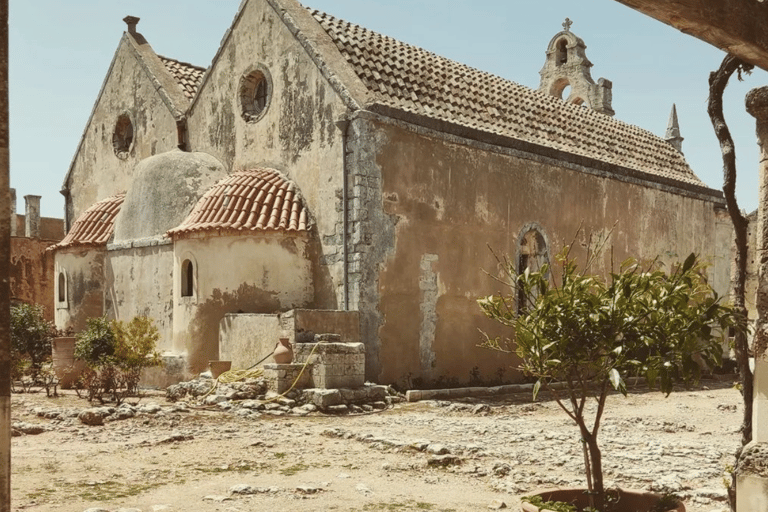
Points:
[[689, 261], [615, 378], [536, 388]]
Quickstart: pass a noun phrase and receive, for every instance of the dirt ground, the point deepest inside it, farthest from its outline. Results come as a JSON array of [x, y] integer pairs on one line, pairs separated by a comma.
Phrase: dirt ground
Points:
[[460, 455]]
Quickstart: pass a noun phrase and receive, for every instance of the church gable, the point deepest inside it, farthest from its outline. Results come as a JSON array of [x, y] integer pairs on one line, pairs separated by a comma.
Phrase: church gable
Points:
[[135, 116]]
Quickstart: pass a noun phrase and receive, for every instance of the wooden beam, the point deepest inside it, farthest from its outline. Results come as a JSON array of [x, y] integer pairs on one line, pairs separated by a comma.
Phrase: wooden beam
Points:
[[739, 27]]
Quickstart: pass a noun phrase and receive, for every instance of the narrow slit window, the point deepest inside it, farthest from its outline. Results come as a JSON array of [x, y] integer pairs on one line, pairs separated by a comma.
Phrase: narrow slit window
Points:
[[187, 278], [62, 287]]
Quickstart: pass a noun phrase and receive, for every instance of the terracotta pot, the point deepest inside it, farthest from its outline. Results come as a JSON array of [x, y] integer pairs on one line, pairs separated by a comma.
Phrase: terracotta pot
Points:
[[632, 500], [283, 353], [219, 367], [65, 366]]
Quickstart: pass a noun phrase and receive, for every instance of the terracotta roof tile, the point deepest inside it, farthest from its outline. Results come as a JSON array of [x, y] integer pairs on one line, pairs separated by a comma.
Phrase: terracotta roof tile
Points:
[[250, 200], [414, 80], [188, 76], [95, 225]]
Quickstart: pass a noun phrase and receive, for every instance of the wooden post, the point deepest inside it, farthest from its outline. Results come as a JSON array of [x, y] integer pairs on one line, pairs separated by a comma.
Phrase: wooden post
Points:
[[5, 264]]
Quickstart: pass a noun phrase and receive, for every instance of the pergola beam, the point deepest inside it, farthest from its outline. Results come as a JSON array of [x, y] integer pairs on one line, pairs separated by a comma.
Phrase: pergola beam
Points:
[[739, 27]]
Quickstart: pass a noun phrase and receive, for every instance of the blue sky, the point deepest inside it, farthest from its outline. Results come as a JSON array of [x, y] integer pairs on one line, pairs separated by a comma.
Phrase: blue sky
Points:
[[60, 53]]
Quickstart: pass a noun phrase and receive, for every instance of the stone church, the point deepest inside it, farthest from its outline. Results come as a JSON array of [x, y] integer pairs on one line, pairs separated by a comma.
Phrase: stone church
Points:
[[318, 176]]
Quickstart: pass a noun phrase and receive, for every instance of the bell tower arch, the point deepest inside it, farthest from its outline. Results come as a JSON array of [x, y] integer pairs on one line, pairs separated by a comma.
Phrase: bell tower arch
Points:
[[567, 67]]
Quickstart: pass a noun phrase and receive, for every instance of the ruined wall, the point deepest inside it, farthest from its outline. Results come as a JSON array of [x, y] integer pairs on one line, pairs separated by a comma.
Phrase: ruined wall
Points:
[[97, 172], [296, 133], [31, 273], [139, 283], [423, 241], [245, 338], [268, 273], [83, 270]]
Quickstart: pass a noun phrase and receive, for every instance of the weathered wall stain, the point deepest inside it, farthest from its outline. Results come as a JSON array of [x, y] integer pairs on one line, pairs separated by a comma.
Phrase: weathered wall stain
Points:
[[204, 327]]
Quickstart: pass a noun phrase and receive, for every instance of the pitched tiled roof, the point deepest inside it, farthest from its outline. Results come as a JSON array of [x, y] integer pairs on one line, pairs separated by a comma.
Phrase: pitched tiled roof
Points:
[[250, 200], [95, 225], [188, 76], [416, 81]]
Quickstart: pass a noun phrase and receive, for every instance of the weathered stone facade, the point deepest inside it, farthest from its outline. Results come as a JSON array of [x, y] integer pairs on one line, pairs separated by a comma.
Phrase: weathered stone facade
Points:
[[374, 177], [31, 271]]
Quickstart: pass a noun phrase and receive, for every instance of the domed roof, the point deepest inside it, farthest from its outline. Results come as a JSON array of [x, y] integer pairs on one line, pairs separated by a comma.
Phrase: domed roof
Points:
[[254, 200], [95, 225], [164, 190]]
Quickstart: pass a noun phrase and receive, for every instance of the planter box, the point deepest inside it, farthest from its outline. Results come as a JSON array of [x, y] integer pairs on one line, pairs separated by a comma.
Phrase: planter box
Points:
[[631, 500]]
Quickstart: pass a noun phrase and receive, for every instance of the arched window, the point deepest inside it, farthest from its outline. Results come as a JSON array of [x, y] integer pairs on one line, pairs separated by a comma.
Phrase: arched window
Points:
[[187, 278], [62, 295], [562, 52], [532, 255]]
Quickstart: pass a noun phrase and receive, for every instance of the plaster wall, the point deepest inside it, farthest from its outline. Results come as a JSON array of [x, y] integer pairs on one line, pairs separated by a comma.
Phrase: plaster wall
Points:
[[423, 245], [296, 135], [31, 273], [267, 273], [83, 268], [246, 338], [139, 278], [96, 171]]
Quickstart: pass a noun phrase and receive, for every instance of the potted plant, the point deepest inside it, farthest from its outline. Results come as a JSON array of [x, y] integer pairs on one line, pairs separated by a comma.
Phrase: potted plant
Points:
[[591, 334]]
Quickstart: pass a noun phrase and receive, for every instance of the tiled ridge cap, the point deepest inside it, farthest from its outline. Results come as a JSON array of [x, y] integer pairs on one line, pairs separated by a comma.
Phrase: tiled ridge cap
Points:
[[95, 225], [412, 80], [188, 76], [252, 200]]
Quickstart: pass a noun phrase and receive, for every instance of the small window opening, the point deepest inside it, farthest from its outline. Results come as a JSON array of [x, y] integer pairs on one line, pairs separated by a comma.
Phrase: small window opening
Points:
[[562, 52], [187, 278], [62, 287], [122, 137], [254, 94], [532, 257]]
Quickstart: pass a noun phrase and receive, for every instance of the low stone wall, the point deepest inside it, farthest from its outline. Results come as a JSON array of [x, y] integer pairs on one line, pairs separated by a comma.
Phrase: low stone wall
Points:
[[245, 338], [333, 365], [301, 325], [280, 377]]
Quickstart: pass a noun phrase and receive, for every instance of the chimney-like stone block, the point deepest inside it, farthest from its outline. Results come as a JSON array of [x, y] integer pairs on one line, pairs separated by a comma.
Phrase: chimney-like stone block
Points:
[[13, 212], [32, 216]]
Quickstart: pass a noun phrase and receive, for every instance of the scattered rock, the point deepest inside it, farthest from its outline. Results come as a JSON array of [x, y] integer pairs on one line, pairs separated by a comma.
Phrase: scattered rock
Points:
[[497, 505], [92, 417]]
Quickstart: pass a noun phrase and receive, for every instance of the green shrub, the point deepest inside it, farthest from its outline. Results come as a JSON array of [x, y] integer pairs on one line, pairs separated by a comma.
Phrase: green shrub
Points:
[[31, 337], [115, 354]]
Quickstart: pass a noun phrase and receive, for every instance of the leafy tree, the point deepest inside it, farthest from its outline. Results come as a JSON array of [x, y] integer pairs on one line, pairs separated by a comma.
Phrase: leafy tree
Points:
[[31, 335], [592, 333]]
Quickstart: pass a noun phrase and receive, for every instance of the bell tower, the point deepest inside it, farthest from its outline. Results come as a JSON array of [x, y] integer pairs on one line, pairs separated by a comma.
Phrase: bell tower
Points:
[[567, 65]]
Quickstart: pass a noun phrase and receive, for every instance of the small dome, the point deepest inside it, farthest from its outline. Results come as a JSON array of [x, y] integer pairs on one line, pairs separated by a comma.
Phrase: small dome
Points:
[[254, 200], [164, 190]]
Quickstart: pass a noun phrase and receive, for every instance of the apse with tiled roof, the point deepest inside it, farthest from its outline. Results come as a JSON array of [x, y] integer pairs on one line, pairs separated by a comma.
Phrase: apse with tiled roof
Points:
[[258, 221]]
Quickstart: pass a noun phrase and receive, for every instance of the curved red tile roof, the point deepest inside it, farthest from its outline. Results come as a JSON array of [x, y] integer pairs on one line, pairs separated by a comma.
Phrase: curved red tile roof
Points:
[[95, 225], [248, 200]]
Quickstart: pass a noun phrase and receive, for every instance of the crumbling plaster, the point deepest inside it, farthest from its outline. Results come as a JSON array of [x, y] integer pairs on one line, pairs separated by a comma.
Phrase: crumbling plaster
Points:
[[139, 283], [84, 296], [96, 172], [296, 135], [272, 274], [443, 200]]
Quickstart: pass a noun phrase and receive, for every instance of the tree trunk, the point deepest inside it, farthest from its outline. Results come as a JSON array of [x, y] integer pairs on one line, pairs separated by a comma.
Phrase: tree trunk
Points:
[[718, 80]]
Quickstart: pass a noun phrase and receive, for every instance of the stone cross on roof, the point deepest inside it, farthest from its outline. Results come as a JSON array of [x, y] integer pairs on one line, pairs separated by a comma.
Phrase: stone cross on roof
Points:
[[567, 24]]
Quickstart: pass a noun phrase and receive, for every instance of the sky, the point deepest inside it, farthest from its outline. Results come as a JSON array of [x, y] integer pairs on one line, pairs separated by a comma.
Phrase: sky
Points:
[[60, 53]]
